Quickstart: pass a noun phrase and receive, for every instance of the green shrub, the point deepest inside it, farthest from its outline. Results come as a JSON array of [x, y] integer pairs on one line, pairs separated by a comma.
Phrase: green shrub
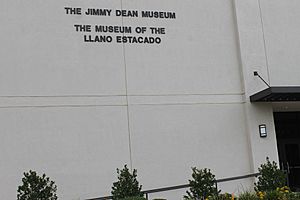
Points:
[[36, 187], [270, 178], [127, 185], [202, 185]]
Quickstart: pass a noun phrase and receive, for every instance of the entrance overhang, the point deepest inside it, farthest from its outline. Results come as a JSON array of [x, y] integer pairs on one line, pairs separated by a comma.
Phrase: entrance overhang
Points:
[[277, 94]]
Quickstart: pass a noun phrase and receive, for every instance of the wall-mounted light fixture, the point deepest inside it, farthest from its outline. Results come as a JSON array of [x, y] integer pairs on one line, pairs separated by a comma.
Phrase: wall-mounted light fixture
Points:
[[263, 130]]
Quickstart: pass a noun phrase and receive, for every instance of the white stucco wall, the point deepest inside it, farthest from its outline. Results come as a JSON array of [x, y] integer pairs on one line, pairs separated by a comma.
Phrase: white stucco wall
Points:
[[77, 111], [78, 147], [281, 29], [253, 55]]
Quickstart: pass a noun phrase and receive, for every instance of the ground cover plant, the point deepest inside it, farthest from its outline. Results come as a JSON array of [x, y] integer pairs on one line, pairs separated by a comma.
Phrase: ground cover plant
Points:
[[248, 195], [134, 198]]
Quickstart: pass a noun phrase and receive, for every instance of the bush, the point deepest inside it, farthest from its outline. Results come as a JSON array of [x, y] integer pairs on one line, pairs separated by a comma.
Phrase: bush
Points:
[[127, 185], [270, 178], [202, 185], [36, 187]]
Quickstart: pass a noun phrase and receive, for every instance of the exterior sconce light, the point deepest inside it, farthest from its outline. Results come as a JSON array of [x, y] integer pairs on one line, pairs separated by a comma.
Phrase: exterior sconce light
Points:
[[263, 131]]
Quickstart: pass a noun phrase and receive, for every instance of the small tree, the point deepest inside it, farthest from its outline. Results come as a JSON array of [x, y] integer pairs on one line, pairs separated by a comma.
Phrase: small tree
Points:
[[270, 178], [202, 185], [36, 187], [127, 185]]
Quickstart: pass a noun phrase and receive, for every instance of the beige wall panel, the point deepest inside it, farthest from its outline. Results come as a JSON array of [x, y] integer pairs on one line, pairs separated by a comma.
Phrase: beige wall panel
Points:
[[281, 21], [42, 54], [79, 148], [168, 140], [198, 54]]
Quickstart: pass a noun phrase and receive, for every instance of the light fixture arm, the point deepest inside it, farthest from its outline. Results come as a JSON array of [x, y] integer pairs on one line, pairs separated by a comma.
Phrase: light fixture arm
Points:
[[257, 74]]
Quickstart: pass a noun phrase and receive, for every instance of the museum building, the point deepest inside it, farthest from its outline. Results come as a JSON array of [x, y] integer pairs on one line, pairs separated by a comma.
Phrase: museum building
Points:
[[162, 86]]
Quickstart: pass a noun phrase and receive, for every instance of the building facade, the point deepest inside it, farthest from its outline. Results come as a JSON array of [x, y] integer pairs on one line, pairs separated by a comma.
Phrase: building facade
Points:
[[162, 86]]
